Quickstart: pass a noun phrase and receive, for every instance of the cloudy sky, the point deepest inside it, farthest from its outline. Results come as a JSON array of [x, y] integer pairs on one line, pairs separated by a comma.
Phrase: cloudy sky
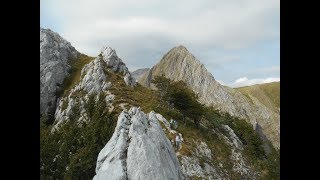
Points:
[[237, 40]]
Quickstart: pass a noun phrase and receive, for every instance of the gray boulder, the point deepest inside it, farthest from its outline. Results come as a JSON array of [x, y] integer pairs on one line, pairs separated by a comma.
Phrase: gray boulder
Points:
[[138, 149]]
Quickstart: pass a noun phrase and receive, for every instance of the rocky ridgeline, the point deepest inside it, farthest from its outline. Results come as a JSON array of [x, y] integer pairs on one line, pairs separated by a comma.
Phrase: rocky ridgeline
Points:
[[93, 79], [193, 167], [212, 93], [138, 149], [113, 62], [55, 55]]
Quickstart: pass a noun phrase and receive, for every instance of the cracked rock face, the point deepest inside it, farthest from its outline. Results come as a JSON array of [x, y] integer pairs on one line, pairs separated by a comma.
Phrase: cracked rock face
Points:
[[55, 54], [94, 79], [180, 64], [113, 62], [138, 149]]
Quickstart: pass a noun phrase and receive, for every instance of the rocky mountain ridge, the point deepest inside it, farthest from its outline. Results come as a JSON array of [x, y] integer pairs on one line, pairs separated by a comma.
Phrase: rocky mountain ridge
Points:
[[141, 146], [212, 93], [93, 80]]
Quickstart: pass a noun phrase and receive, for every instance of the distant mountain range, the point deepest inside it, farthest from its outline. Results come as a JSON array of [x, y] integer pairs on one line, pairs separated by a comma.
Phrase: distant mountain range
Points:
[[139, 72]]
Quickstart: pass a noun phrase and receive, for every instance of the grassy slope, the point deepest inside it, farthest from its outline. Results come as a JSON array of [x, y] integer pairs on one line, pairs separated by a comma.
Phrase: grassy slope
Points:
[[74, 77], [148, 100], [133, 96], [268, 94]]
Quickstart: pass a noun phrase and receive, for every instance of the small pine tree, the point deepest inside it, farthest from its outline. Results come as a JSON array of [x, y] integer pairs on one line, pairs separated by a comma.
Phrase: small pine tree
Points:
[[181, 97]]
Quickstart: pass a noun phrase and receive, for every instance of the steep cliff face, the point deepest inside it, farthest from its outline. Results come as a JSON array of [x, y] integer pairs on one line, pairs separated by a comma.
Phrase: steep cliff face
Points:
[[55, 55], [138, 149], [180, 64]]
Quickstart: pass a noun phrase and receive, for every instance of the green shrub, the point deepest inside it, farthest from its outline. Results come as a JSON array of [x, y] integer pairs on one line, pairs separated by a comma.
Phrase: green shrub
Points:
[[71, 152]]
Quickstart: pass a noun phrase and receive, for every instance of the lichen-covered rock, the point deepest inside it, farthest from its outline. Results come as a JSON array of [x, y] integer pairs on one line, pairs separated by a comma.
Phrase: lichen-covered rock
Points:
[[180, 64], [55, 54], [138, 149]]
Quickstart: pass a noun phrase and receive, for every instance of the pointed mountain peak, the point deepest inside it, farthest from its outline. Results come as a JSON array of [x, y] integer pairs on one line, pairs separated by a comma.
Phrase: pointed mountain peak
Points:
[[109, 56], [179, 48], [180, 54], [108, 52]]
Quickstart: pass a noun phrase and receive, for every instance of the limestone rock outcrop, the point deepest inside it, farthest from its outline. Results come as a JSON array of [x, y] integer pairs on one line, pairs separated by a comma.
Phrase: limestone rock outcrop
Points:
[[109, 56], [55, 55], [138, 149], [93, 80]]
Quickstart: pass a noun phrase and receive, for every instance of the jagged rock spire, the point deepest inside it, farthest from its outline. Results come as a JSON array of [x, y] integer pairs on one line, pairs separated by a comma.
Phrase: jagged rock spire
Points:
[[113, 62]]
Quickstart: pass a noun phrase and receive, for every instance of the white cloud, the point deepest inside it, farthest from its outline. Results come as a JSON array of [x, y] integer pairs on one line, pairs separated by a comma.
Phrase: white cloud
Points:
[[227, 24], [142, 31], [244, 81]]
